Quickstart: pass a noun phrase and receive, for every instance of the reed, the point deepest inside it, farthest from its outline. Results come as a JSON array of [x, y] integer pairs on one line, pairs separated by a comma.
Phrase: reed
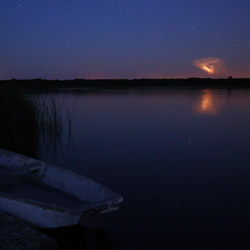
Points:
[[49, 122], [28, 123]]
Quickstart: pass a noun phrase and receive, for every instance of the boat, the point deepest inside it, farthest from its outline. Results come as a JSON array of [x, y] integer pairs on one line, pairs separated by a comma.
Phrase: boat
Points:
[[47, 196]]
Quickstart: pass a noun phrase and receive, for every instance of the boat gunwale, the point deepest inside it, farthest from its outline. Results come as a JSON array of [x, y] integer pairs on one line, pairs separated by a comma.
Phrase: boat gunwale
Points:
[[43, 167], [95, 208], [39, 204]]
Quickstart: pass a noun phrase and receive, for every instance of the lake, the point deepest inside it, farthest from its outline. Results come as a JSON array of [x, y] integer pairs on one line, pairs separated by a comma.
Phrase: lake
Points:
[[180, 158]]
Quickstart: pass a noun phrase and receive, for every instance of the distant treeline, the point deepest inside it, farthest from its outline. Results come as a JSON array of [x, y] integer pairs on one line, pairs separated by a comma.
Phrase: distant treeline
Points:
[[130, 84]]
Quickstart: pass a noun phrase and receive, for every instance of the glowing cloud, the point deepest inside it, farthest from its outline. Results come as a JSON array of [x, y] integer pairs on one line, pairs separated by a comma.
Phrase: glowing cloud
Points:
[[211, 65]]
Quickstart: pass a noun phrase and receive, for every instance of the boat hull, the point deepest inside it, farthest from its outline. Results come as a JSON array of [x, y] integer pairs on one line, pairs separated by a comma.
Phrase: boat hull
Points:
[[38, 215], [63, 199]]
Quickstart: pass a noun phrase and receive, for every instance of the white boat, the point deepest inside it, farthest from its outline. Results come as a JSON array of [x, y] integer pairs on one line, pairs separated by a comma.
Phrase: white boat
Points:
[[47, 196]]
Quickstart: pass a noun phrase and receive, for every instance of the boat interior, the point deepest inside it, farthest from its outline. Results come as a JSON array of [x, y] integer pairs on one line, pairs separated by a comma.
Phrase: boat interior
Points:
[[26, 189]]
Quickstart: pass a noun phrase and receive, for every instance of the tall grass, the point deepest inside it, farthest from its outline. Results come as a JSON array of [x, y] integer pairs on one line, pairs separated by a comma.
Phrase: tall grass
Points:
[[70, 110], [27, 122], [49, 122]]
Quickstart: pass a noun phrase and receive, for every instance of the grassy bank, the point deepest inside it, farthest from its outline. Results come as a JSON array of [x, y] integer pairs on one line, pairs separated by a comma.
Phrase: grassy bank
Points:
[[18, 124], [27, 122]]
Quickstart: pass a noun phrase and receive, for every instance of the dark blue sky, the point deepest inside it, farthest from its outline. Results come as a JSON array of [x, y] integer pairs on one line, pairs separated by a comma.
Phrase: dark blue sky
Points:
[[68, 39]]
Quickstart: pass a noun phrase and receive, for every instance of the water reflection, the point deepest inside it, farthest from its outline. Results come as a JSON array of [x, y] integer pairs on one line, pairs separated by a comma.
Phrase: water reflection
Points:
[[207, 101], [193, 197], [210, 103]]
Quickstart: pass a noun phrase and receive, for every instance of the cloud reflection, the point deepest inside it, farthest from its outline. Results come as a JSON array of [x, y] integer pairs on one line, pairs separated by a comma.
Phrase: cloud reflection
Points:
[[209, 103]]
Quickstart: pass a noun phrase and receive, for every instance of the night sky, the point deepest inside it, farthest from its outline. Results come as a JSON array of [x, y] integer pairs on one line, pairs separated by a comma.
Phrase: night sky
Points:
[[67, 39]]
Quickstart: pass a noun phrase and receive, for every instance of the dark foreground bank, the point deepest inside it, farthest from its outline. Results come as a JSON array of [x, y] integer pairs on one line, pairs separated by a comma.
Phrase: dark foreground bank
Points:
[[15, 234]]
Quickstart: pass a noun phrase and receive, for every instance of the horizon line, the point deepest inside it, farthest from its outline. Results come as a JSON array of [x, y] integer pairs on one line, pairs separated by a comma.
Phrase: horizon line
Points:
[[124, 79]]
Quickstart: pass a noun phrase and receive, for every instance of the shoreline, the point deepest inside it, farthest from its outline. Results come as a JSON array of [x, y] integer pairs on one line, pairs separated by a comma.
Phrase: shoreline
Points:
[[123, 84]]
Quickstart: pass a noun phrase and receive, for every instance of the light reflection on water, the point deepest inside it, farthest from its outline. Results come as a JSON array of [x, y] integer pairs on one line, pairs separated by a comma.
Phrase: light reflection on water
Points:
[[207, 104], [179, 157], [210, 103]]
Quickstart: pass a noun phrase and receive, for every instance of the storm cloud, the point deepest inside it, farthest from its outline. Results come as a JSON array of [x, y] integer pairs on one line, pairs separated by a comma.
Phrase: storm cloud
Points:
[[211, 65]]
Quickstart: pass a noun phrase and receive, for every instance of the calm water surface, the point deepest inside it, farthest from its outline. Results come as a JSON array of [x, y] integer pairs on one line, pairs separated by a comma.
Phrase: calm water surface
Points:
[[180, 158]]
